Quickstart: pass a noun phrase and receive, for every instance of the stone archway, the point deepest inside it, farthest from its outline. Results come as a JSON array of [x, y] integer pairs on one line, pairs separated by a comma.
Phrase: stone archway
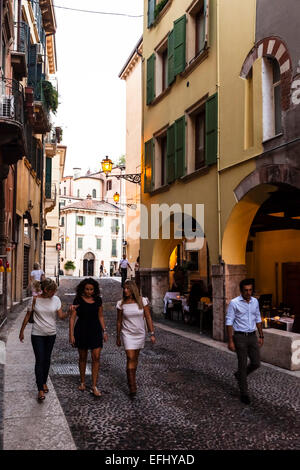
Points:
[[272, 47]]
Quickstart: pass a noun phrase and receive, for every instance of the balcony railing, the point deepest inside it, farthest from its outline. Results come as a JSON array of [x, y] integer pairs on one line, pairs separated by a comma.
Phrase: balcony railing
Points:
[[22, 37], [50, 191], [11, 100]]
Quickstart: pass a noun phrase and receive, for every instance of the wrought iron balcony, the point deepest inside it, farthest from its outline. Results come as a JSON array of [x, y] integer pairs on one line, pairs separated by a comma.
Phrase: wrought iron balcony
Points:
[[50, 196], [20, 52], [12, 136], [41, 109]]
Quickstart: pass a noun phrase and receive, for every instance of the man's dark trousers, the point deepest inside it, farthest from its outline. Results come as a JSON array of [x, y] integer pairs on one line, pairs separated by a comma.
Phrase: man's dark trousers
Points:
[[124, 275], [246, 346]]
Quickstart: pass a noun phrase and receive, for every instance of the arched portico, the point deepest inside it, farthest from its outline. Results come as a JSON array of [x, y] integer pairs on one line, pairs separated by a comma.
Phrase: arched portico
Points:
[[261, 239]]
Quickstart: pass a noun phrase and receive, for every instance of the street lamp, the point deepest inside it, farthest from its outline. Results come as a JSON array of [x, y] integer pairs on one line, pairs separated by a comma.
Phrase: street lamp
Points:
[[116, 198], [107, 167]]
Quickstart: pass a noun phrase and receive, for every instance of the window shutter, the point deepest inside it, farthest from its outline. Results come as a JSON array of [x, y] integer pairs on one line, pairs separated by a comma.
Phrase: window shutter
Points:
[[171, 75], [151, 8], [98, 243], [149, 166], [151, 79], [211, 129], [32, 66], [179, 44], [83, 220], [171, 154], [180, 147]]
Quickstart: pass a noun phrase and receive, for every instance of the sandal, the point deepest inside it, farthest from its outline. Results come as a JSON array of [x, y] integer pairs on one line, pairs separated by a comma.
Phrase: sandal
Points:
[[41, 397], [94, 391], [46, 389], [82, 387]]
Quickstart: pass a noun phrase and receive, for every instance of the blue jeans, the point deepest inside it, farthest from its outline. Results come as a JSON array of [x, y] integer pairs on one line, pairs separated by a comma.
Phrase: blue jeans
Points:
[[42, 347]]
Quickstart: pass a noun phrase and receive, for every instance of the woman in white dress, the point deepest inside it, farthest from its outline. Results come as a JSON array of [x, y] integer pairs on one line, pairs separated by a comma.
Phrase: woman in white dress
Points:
[[131, 328]]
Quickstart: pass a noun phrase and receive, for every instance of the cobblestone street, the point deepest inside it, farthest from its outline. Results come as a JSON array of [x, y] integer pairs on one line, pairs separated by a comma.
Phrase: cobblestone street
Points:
[[187, 396]]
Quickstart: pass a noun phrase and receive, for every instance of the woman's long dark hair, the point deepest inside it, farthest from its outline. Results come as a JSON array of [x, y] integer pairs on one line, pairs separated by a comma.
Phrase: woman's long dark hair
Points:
[[81, 286]]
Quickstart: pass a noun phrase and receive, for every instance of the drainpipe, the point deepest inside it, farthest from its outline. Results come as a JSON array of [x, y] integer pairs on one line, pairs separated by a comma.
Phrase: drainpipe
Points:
[[19, 24], [218, 154]]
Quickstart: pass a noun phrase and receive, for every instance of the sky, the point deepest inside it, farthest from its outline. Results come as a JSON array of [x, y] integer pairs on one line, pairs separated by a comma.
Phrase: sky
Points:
[[91, 51]]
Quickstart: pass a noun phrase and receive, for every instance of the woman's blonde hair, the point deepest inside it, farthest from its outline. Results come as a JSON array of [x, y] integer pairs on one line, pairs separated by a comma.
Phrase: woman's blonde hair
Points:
[[131, 285], [48, 285]]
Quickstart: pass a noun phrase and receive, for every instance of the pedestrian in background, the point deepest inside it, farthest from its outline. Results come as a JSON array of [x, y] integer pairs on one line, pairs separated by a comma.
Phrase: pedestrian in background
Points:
[[36, 275], [242, 319], [45, 307], [131, 311], [89, 330], [124, 264], [102, 269]]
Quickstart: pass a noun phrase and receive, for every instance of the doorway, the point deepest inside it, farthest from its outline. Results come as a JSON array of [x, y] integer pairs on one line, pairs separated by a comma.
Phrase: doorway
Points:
[[89, 264], [291, 285]]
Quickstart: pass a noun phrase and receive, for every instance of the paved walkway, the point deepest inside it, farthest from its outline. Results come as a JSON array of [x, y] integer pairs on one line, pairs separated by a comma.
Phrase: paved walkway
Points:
[[188, 398], [28, 424]]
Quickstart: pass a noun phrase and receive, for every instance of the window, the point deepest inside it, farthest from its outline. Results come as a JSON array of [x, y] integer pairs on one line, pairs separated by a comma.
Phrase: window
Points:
[[199, 140], [62, 241], [197, 29], [80, 220], [98, 244], [271, 89], [60, 191], [109, 185], [94, 194], [65, 191], [115, 226], [114, 247], [161, 67], [99, 221], [62, 222], [80, 242], [78, 192]]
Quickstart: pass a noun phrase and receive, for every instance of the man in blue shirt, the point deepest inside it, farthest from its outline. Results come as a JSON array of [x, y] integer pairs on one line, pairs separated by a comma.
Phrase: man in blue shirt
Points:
[[242, 319]]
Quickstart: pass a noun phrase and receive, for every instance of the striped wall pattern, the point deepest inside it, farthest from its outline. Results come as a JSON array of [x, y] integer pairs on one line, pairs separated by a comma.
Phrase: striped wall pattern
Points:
[[272, 47]]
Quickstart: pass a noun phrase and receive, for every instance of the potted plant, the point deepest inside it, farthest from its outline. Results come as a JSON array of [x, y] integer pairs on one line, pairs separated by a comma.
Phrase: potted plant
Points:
[[69, 268], [159, 7], [50, 95]]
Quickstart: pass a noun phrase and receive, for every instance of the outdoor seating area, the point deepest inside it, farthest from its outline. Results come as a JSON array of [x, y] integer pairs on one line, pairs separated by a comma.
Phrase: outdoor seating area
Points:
[[180, 308]]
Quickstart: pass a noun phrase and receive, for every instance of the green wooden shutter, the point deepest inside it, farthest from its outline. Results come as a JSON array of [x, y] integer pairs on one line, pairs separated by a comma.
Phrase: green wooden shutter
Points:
[[48, 177], [80, 243], [179, 44], [171, 75], [211, 129], [83, 220], [149, 166], [32, 66], [180, 147], [98, 243], [171, 154], [151, 79], [151, 8]]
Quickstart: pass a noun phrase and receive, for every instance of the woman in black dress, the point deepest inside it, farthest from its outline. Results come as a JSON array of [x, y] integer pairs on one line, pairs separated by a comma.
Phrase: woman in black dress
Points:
[[89, 330]]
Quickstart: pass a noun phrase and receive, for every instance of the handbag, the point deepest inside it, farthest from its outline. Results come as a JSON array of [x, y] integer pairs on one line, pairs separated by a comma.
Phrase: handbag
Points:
[[31, 320]]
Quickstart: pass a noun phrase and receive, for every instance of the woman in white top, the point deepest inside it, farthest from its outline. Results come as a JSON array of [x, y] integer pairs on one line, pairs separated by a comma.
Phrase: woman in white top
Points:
[[36, 275], [46, 307], [131, 327]]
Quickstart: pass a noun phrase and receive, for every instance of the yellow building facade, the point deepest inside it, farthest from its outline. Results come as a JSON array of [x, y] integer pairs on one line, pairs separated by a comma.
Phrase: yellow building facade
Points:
[[217, 76]]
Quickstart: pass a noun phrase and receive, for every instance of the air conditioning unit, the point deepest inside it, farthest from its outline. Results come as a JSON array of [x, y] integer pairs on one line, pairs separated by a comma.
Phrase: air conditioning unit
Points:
[[7, 108]]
